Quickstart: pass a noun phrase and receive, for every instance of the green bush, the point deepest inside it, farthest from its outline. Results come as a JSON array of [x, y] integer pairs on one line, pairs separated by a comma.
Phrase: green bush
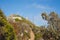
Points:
[[6, 30]]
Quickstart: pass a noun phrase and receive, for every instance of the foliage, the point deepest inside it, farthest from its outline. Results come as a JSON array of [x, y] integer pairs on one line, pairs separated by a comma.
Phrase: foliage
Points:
[[17, 19], [10, 32], [53, 29], [6, 30]]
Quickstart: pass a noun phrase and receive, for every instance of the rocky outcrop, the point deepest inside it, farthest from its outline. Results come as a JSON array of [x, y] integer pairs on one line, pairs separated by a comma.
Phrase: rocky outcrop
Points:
[[22, 28]]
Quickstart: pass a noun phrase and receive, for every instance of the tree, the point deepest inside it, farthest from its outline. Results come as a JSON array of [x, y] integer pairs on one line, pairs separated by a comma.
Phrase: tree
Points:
[[53, 25]]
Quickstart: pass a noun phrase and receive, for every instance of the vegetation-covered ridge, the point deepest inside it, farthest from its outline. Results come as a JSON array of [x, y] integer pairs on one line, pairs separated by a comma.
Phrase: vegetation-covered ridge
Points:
[[16, 27], [6, 29]]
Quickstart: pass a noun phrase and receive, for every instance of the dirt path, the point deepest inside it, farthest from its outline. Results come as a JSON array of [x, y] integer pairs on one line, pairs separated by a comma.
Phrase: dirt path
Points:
[[32, 35]]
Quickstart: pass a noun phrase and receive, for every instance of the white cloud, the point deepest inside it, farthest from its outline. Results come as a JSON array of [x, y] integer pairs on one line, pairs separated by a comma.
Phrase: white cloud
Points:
[[39, 6], [42, 7], [46, 0]]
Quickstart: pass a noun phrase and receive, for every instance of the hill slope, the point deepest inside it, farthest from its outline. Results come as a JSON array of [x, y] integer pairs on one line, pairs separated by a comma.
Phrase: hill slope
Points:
[[23, 27]]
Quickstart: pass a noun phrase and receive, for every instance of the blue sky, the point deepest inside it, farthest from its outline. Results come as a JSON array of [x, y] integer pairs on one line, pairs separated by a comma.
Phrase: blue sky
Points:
[[30, 8]]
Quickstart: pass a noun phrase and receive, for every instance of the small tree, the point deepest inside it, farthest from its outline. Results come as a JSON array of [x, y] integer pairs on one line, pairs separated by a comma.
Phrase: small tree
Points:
[[53, 24]]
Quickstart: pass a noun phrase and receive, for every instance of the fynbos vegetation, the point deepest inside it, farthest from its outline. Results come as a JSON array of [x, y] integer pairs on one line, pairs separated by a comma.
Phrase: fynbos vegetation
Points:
[[15, 27], [6, 30]]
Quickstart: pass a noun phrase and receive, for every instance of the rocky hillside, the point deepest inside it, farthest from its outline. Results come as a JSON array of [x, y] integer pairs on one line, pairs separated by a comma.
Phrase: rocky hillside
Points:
[[15, 27], [22, 27]]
